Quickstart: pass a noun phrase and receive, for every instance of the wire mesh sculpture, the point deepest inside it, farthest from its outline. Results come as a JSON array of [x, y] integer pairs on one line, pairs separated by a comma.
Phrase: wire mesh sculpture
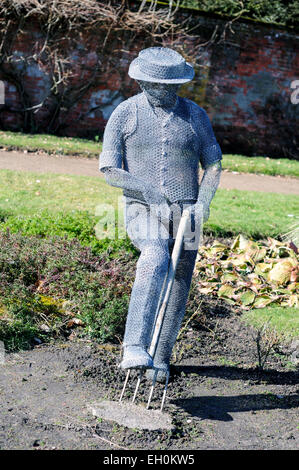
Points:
[[153, 145]]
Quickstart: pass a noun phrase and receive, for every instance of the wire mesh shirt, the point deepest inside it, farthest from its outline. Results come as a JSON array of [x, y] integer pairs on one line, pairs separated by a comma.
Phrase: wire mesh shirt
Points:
[[165, 153]]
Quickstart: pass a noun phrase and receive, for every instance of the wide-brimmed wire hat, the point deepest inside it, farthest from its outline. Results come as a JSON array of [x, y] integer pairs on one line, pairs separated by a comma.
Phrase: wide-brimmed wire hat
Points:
[[161, 65]]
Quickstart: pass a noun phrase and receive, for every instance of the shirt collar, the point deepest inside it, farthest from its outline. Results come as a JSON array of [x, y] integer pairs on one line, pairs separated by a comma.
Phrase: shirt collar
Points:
[[147, 103]]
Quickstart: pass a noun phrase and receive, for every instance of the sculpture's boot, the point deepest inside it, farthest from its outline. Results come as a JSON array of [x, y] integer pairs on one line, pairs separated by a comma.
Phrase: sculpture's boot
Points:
[[163, 371], [136, 357]]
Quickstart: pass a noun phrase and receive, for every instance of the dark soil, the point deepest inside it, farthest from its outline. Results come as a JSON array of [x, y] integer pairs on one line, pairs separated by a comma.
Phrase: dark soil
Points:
[[218, 399]]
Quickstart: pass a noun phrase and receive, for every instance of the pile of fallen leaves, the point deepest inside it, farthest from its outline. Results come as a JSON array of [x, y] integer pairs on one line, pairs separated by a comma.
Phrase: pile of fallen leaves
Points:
[[250, 274]]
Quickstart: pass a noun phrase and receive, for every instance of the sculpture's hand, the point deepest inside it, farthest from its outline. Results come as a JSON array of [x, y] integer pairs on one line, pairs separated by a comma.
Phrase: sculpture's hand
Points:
[[153, 196], [204, 208], [158, 203], [200, 214], [208, 187]]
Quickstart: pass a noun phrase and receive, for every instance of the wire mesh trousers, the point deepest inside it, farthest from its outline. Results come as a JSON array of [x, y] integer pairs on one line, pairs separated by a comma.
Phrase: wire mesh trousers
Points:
[[155, 251]]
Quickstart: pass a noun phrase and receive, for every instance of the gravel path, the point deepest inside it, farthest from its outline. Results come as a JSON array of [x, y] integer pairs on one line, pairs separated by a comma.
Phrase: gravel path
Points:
[[44, 163]]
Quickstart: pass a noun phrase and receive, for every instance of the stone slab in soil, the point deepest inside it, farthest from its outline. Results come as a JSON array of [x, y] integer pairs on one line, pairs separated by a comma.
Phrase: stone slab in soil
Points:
[[131, 415]]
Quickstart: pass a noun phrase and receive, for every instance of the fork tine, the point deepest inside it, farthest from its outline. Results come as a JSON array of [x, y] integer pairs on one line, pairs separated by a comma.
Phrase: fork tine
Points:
[[138, 383], [125, 384], [152, 389], [164, 392]]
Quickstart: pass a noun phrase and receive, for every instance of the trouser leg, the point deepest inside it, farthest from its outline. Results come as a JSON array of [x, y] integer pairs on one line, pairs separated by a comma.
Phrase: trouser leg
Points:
[[176, 308], [151, 270], [152, 267]]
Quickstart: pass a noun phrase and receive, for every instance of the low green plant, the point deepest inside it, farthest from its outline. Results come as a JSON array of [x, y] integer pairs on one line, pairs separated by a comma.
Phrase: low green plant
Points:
[[285, 320], [76, 224], [50, 286]]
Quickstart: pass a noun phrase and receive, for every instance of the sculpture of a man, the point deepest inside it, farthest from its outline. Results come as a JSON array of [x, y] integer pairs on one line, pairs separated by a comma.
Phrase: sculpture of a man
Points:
[[153, 144]]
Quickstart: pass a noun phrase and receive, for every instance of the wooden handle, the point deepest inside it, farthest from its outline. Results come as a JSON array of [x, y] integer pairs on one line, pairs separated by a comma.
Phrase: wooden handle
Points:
[[176, 252]]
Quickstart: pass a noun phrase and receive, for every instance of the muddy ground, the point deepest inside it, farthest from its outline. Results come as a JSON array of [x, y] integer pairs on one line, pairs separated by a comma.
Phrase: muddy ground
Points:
[[217, 397]]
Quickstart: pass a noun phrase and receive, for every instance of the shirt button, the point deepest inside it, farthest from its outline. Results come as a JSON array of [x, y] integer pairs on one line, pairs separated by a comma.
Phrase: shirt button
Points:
[[164, 153], [164, 140]]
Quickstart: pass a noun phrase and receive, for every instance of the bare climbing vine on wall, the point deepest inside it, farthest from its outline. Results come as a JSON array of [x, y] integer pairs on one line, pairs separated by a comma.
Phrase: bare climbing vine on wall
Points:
[[59, 28]]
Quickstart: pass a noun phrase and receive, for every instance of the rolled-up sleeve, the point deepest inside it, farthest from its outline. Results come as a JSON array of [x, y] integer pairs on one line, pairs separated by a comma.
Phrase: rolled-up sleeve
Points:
[[210, 151], [112, 151]]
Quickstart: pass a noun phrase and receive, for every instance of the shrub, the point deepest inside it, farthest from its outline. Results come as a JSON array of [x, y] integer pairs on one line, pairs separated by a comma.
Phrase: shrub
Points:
[[76, 224], [47, 283]]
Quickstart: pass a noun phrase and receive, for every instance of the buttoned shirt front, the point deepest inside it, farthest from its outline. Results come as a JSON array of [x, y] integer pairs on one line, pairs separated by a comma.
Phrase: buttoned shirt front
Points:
[[162, 148]]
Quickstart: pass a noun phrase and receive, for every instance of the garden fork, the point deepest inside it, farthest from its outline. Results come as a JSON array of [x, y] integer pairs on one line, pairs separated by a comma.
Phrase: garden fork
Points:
[[162, 306]]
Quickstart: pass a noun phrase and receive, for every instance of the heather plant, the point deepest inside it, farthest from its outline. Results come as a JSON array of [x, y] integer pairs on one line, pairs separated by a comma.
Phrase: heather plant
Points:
[[50, 286], [76, 224]]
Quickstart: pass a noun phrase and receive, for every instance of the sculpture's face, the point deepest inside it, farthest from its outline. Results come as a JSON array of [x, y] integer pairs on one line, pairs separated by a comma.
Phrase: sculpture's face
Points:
[[159, 94]]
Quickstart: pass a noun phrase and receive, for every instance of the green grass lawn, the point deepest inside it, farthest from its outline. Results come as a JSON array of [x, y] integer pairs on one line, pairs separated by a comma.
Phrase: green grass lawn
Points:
[[284, 319], [27, 193], [262, 165], [278, 324], [49, 143], [254, 214], [90, 148]]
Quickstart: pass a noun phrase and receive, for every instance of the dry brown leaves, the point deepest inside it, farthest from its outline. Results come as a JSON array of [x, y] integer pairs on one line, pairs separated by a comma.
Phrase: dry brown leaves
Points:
[[250, 274]]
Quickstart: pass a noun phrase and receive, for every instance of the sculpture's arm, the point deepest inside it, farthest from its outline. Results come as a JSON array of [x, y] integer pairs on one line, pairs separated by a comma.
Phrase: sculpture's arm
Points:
[[208, 187], [125, 180]]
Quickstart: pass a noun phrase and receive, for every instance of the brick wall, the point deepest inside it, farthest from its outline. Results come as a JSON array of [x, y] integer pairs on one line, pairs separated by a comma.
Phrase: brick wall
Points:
[[244, 83]]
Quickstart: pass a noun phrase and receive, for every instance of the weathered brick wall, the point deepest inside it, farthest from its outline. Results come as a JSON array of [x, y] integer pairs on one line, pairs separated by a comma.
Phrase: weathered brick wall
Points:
[[242, 82], [248, 92]]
